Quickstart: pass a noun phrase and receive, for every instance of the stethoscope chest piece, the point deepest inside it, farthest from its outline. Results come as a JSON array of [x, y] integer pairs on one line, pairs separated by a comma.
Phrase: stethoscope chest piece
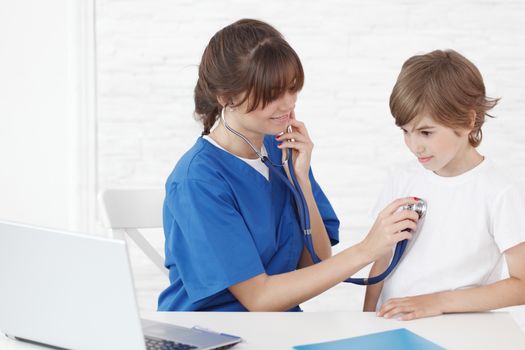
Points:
[[420, 207]]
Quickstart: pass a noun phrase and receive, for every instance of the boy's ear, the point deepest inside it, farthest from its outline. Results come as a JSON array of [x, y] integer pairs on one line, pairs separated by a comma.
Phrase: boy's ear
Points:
[[472, 119]]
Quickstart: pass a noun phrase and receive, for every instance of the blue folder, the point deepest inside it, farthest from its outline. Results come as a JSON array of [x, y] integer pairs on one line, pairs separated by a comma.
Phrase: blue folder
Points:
[[401, 339]]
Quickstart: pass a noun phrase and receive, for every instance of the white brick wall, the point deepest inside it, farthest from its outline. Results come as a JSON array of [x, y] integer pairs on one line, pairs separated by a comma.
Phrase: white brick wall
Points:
[[148, 52]]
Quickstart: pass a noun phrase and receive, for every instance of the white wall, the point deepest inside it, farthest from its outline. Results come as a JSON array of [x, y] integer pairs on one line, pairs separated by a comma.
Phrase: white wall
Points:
[[352, 51], [41, 155]]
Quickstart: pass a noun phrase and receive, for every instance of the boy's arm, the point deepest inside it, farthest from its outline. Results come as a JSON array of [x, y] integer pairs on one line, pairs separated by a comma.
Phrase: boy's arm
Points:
[[507, 292], [373, 291]]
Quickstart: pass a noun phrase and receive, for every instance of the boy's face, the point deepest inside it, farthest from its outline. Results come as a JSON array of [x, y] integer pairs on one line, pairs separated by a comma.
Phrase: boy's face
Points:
[[438, 148]]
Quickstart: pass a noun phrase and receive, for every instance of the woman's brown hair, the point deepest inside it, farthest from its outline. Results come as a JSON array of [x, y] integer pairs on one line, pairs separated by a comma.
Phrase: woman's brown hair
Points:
[[445, 85], [248, 60]]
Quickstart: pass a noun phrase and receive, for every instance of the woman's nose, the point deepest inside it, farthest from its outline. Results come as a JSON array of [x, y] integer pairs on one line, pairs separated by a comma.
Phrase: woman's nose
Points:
[[288, 100]]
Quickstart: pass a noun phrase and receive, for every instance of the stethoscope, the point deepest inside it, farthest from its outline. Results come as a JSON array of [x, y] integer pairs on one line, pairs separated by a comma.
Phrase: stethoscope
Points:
[[304, 216]]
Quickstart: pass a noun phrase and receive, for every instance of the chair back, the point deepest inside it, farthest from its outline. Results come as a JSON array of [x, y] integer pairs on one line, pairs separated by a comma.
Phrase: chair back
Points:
[[129, 210]]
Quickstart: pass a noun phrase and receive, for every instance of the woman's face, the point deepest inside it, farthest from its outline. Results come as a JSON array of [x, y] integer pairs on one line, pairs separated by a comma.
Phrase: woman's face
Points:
[[272, 119]]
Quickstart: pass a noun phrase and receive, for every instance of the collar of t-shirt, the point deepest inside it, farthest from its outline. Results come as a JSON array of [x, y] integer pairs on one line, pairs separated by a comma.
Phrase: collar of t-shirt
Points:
[[458, 179], [254, 163]]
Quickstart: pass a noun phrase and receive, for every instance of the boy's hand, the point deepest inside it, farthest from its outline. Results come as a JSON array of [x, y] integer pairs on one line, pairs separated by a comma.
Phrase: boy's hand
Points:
[[410, 308]]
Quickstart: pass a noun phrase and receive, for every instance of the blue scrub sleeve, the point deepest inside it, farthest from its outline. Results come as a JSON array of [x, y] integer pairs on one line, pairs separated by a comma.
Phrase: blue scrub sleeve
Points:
[[211, 244], [331, 222]]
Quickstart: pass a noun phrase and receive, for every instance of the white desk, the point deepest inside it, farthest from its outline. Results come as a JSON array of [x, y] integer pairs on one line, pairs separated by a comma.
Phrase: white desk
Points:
[[284, 330], [274, 331]]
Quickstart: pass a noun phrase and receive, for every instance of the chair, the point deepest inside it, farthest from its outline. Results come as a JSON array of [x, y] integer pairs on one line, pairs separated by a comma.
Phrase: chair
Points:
[[129, 210]]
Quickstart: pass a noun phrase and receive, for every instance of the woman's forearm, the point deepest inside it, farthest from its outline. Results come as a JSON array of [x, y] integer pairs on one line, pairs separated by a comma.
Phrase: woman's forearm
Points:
[[284, 291]]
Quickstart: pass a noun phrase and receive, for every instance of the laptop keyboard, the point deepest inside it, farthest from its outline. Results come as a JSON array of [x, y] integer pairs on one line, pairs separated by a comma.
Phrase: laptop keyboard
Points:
[[161, 344]]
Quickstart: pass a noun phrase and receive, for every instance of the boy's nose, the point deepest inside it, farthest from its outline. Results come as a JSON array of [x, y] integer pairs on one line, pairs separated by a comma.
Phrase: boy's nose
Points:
[[416, 147], [419, 149]]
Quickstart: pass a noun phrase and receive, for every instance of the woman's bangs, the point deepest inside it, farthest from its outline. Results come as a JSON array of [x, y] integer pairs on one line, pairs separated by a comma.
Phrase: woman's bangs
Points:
[[276, 71]]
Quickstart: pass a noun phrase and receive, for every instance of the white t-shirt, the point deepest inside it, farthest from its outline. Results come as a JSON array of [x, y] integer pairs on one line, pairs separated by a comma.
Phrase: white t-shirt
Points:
[[471, 220], [257, 164]]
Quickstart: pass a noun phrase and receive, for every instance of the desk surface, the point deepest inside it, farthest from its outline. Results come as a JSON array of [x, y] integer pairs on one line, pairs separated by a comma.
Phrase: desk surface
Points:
[[494, 330], [283, 330]]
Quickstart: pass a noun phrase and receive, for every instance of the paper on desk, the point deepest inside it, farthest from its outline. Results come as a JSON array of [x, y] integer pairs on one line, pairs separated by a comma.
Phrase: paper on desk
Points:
[[401, 339]]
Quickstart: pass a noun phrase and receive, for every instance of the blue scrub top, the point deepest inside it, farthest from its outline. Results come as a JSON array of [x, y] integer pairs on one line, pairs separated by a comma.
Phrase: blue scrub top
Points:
[[224, 223]]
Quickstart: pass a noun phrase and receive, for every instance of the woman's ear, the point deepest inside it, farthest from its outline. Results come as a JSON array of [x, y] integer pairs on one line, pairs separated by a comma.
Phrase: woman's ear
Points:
[[223, 101]]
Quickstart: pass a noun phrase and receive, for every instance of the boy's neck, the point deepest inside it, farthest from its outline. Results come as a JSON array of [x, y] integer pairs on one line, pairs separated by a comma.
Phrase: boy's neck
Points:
[[464, 162]]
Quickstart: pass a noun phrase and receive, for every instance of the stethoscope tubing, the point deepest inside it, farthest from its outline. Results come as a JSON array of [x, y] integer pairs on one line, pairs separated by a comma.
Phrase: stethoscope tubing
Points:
[[303, 213], [304, 221]]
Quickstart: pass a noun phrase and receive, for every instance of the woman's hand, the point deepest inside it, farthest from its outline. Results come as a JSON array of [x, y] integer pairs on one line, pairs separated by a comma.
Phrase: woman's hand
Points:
[[388, 228], [302, 147], [411, 308]]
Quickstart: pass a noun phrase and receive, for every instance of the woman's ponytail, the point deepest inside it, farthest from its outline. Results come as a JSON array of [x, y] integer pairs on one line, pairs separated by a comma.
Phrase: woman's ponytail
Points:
[[206, 106]]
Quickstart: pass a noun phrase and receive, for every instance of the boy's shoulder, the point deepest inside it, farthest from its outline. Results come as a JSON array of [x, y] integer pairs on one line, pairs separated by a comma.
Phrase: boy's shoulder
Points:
[[495, 177], [488, 176]]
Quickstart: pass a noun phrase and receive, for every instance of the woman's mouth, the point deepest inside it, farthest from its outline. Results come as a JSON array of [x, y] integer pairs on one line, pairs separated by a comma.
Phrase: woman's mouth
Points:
[[282, 119]]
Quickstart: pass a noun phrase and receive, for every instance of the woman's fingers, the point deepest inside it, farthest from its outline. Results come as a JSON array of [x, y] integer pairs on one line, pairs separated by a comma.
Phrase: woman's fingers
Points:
[[401, 236], [298, 139], [395, 205], [293, 135], [405, 214], [300, 146], [300, 126], [404, 225], [403, 220]]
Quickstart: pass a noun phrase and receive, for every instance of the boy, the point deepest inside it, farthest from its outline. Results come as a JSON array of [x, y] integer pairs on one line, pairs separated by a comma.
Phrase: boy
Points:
[[475, 220]]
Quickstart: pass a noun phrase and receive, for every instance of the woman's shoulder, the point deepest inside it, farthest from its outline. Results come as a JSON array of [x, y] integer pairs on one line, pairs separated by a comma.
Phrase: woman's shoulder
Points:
[[199, 163]]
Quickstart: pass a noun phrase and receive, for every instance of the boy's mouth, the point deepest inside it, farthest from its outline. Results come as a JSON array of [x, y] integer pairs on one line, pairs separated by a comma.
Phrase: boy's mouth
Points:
[[424, 159]]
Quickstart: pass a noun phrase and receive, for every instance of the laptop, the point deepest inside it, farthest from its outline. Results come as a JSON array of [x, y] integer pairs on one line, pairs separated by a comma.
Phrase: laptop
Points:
[[75, 291]]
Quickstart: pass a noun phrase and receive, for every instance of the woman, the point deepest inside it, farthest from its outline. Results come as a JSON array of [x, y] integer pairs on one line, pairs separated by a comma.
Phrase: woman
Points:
[[232, 239]]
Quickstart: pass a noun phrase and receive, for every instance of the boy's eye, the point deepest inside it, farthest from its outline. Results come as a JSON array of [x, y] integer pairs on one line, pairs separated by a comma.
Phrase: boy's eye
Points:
[[426, 133], [404, 131]]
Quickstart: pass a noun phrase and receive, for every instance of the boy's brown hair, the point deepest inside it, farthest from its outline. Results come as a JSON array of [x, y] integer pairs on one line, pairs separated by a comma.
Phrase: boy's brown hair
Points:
[[445, 85]]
